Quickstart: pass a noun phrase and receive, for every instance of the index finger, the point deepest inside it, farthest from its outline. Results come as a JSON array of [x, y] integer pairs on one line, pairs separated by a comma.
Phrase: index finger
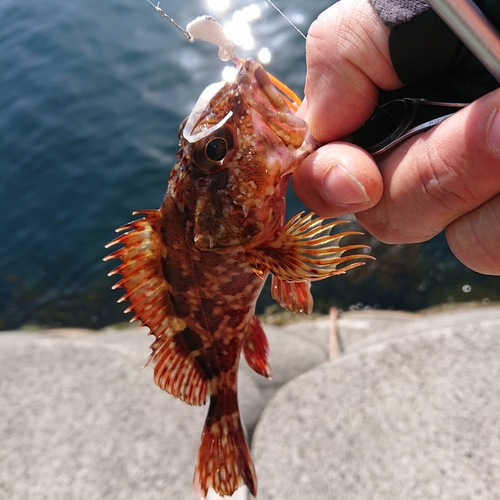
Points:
[[347, 54]]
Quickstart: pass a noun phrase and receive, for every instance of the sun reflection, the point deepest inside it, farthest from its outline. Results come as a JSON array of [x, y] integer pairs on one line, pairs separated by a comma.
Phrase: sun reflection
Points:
[[219, 5], [264, 55], [250, 13], [237, 29], [229, 73]]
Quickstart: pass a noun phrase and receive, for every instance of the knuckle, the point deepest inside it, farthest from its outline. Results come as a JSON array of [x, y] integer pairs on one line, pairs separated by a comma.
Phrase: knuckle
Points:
[[380, 223], [474, 238], [447, 179]]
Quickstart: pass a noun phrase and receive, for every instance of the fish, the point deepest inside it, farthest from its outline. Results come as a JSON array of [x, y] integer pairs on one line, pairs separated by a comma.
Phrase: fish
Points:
[[193, 269]]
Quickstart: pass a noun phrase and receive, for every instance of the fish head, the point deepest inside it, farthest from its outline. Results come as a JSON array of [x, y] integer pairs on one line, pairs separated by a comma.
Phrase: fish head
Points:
[[239, 146]]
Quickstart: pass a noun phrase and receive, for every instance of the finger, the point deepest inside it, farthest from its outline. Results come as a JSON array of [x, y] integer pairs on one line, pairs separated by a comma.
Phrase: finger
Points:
[[347, 55], [338, 178], [437, 177], [474, 238]]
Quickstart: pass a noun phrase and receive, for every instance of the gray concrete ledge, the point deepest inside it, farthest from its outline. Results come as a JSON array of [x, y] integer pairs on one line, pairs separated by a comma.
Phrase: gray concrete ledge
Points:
[[409, 409]]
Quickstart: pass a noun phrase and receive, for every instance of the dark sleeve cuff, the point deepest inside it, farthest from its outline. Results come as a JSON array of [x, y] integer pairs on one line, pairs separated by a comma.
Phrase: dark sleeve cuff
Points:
[[428, 56], [394, 12], [424, 47]]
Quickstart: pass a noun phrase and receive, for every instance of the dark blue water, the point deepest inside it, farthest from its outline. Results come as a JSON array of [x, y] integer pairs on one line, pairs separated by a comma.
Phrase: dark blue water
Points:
[[91, 96]]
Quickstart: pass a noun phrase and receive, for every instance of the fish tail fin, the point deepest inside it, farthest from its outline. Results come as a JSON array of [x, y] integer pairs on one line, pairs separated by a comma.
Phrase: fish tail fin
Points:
[[224, 462]]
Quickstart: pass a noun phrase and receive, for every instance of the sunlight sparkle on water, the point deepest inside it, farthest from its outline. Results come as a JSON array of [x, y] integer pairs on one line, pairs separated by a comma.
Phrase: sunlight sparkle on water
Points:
[[239, 33], [250, 13], [238, 29], [219, 5], [264, 55], [229, 73]]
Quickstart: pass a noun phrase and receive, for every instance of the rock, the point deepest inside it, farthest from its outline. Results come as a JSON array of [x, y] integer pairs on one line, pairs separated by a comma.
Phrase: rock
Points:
[[291, 355], [416, 416], [359, 329], [410, 409], [80, 420]]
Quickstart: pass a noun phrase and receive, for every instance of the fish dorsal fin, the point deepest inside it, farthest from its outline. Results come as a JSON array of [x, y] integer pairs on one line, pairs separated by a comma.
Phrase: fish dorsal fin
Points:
[[176, 369], [294, 296], [256, 349], [306, 251]]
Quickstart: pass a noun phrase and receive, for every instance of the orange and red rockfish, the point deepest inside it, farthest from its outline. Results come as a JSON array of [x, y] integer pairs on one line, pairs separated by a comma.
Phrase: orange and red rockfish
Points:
[[193, 269]]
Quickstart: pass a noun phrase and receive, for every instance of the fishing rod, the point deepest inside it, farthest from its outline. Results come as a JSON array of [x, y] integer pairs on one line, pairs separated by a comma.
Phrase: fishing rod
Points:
[[473, 28]]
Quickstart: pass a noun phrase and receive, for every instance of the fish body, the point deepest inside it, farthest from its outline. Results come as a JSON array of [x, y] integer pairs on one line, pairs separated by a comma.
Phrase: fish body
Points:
[[193, 269]]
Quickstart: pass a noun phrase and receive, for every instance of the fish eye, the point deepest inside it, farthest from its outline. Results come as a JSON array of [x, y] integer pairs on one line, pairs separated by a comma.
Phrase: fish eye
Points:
[[216, 149], [214, 153]]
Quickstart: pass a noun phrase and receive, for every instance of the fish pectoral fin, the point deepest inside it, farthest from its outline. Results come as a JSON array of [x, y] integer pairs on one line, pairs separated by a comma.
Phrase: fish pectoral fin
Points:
[[256, 349], [176, 367], [141, 255], [294, 296], [306, 251]]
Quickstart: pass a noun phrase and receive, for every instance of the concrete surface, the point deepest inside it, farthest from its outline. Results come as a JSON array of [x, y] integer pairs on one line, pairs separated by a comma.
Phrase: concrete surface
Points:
[[416, 416], [409, 409]]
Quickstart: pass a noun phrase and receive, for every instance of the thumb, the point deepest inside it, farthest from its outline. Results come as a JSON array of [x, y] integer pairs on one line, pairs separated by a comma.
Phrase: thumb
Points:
[[338, 178]]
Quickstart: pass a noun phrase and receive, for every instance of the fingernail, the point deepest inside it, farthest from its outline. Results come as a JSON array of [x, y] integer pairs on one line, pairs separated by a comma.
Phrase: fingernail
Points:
[[340, 187], [494, 132]]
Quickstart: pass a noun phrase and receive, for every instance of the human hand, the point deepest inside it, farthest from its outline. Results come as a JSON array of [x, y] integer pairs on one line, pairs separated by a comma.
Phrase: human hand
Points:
[[446, 178]]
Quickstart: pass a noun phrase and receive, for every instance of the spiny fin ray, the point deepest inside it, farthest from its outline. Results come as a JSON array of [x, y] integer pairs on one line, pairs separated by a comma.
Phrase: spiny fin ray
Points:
[[294, 296], [176, 367], [256, 349], [306, 251]]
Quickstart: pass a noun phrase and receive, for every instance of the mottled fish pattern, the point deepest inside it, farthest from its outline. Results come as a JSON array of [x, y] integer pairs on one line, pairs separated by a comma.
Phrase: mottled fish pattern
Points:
[[192, 270]]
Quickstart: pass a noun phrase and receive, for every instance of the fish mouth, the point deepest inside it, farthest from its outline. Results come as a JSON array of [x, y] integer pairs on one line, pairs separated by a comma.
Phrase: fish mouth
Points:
[[267, 96], [277, 105]]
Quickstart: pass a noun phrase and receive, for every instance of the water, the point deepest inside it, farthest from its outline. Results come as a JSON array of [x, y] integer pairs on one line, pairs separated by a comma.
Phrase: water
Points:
[[91, 96]]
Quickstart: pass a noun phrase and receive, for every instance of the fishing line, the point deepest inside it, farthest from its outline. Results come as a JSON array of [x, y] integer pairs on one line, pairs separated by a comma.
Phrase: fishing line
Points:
[[163, 14], [324, 57], [191, 39], [289, 20]]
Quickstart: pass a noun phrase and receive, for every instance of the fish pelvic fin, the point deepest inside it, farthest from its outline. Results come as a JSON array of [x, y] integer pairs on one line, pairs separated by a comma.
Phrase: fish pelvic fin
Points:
[[256, 349], [176, 368], [306, 251], [292, 295], [223, 462]]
